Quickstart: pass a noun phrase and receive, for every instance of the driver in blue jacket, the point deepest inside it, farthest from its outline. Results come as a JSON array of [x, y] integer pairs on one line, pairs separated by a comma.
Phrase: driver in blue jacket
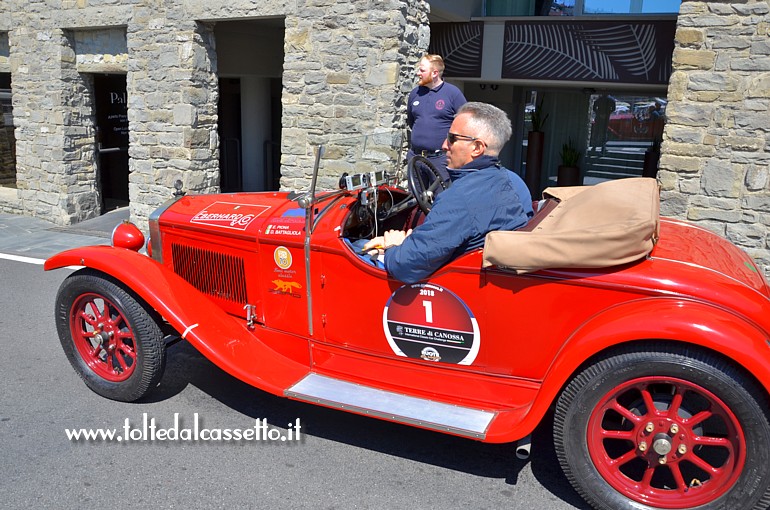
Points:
[[484, 196]]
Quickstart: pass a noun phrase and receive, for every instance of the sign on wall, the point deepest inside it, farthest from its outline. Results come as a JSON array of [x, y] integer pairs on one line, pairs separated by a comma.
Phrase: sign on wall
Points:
[[589, 50]]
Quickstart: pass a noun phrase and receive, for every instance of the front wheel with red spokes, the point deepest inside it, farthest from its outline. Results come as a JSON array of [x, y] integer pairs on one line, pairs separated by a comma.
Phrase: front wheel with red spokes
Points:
[[109, 336], [665, 428]]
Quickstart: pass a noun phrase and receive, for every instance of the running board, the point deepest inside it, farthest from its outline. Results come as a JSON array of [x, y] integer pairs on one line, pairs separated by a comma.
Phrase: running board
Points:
[[462, 421]]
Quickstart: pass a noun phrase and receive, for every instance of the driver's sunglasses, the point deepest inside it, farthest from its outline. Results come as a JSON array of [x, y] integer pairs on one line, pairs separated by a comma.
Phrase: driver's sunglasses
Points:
[[451, 138]]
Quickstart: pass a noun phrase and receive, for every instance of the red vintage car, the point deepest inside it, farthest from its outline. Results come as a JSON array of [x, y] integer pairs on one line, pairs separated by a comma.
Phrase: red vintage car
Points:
[[653, 353]]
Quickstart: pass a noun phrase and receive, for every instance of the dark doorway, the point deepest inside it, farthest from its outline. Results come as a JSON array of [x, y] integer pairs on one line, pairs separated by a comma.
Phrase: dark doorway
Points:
[[230, 156], [112, 139], [7, 135], [249, 109]]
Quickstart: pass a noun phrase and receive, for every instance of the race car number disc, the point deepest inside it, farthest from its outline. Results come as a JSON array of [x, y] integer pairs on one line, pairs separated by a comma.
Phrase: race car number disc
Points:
[[429, 322]]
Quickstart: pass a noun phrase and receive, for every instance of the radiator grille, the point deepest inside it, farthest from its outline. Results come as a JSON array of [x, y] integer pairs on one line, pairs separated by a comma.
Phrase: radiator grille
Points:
[[213, 273]]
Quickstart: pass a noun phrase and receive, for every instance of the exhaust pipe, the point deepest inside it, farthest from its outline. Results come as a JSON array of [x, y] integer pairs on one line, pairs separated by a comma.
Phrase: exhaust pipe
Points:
[[523, 447]]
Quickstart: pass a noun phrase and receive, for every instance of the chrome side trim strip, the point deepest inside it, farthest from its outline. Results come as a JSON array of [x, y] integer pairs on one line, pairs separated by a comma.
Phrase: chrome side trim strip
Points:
[[357, 398]]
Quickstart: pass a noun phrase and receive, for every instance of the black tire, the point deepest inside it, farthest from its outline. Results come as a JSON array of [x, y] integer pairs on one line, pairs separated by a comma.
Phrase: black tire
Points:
[[110, 336], [618, 452]]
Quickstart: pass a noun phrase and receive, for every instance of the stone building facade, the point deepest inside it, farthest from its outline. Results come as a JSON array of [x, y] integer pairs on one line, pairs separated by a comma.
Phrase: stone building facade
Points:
[[715, 160], [346, 67]]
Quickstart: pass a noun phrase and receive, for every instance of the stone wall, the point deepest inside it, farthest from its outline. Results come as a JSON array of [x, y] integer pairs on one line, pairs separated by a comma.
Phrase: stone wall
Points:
[[347, 66], [53, 125], [348, 70], [714, 167]]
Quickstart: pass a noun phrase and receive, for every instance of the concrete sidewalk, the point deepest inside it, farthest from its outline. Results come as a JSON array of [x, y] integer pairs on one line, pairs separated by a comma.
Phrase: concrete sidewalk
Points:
[[36, 238]]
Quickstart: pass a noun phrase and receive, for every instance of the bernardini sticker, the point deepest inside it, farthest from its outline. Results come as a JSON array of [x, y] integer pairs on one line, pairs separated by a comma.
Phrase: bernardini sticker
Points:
[[229, 215], [429, 322]]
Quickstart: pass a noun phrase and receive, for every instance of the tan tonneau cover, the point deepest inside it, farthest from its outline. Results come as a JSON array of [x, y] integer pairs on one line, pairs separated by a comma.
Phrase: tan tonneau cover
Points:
[[611, 223]]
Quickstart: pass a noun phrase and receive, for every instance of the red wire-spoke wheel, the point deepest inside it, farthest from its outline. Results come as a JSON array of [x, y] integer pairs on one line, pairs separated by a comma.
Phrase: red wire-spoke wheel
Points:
[[103, 337], [110, 336], [665, 428], [666, 442]]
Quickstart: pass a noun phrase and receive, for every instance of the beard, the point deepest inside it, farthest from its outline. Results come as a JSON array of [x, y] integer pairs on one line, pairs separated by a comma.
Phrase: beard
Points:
[[424, 80]]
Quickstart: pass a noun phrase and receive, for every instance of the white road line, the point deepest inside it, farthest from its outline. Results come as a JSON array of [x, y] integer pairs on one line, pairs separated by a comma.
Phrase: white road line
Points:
[[18, 258]]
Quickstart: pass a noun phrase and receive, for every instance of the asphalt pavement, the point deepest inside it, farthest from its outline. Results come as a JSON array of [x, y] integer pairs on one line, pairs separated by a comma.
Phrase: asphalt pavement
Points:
[[36, 238]]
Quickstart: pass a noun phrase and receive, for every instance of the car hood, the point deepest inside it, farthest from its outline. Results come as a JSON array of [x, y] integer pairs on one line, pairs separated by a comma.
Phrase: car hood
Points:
[[237, 215]]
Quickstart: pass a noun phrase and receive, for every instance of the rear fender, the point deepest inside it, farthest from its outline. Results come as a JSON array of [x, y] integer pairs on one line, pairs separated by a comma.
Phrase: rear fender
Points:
[[224, 340], [668, 319]]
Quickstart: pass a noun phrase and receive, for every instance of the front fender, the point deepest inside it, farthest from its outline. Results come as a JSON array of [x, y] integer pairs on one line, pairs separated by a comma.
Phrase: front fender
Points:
[[668, 319], [224, 340]]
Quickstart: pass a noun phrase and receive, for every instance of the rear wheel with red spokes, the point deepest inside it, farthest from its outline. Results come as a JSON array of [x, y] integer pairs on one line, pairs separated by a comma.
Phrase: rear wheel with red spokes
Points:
[[667, 429], [110, 337]]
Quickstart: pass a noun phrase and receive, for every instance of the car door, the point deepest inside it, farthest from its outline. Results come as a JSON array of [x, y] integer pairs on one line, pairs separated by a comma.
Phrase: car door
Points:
[[425, 338]]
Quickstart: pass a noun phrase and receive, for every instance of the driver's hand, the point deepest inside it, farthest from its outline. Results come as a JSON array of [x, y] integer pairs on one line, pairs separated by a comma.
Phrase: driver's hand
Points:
[[374, 245], [395, 237], [390, 239]]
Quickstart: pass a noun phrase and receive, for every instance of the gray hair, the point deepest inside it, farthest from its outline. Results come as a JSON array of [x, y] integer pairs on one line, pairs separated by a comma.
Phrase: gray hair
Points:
[[489, 123]]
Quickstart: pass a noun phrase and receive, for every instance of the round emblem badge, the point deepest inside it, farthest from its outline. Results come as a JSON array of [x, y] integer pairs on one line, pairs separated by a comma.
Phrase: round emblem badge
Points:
[[427, 321], [440, 104], [282, 257]]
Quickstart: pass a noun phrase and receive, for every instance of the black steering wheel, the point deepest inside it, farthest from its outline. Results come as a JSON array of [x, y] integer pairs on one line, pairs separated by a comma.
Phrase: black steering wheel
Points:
[[424, 181]]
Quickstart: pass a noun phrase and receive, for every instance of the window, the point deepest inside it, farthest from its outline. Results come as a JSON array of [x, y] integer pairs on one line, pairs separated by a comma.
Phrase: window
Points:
[[579, 7], [599, 7]]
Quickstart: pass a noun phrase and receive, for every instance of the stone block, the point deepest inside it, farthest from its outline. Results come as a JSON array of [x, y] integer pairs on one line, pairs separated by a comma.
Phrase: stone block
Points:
[[750, 158], [688, 10], [690, 185], [685, 134], [751, 64], [757, 202], [383, 74], [689, 149], [724, 9], [677, 85], [338, 78], [743, 143], [756, 177], [752, 120], [690, 114], [708, 20], [751, 8], [673, 204], [759, 86], [697, 59], [714, 81], [718, 97], [681, 163], [689, 36], [760, 48], [721, 178]]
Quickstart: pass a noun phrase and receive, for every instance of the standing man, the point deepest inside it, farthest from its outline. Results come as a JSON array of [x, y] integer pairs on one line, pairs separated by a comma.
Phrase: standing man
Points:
[[432, 107], [603, 108]]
